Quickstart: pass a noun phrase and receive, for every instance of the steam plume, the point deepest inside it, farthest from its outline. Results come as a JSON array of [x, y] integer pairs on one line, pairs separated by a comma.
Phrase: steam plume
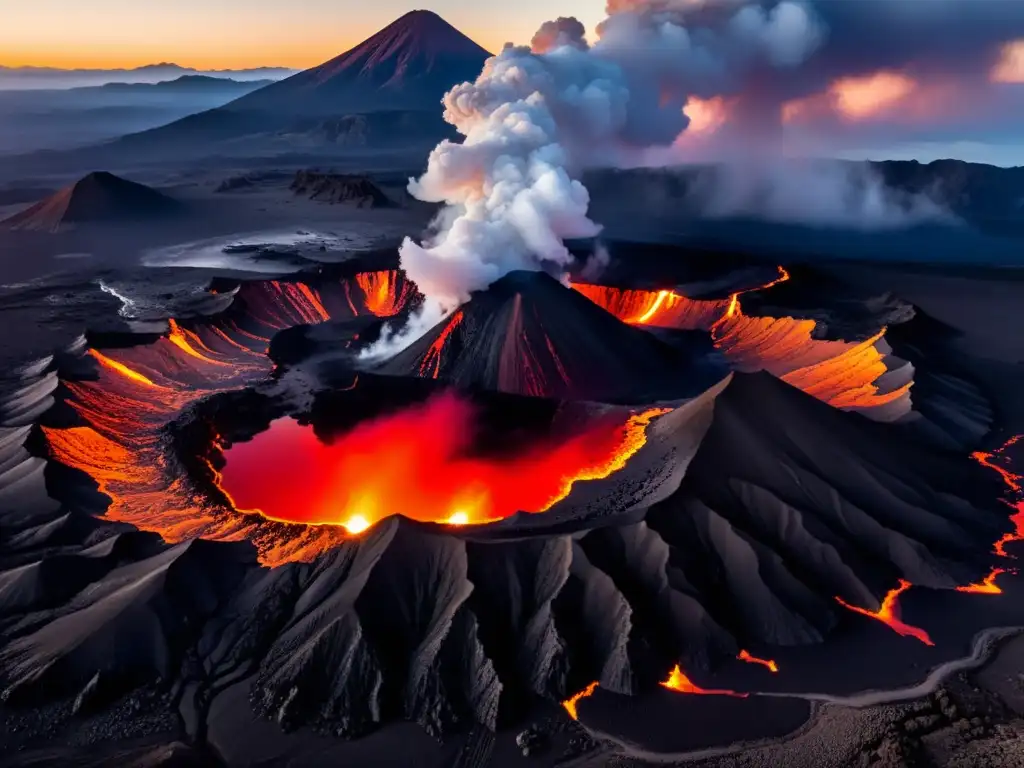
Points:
[[536, 117]]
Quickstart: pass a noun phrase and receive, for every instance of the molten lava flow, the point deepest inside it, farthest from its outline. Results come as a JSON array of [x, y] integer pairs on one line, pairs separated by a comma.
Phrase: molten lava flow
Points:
[[734, 305], [386, 292], [417, 462], [123, 370], [986, 587], [1012, 481], [433, 356], [278, 305], [680, 683], [770, 665], [572, 701], [840, 373], [888, 614], [661, 309], [190, 343]]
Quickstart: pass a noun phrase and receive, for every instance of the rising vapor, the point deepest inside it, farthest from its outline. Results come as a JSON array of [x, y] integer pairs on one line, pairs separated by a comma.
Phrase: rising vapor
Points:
[[537, 116]]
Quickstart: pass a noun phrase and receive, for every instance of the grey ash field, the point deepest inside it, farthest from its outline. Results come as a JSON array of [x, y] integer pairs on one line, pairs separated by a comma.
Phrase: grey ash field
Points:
[[782, 508]]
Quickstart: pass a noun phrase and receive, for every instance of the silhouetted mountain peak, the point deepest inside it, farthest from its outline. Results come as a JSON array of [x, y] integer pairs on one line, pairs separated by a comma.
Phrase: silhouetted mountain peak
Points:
[[99, 196]]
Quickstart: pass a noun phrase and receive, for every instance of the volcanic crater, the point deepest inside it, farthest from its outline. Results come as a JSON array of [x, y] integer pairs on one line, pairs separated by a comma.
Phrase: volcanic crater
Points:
[[539, 499]]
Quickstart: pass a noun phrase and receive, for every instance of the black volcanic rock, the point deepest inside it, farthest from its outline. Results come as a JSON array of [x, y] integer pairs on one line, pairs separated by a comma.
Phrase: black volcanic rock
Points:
[[353, 189], [990, 197], [98, 198], [528, 334], [407, 67]]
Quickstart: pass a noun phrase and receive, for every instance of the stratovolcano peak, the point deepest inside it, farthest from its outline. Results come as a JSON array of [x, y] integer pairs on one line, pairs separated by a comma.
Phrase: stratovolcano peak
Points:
[[528, 334], [415, 59]]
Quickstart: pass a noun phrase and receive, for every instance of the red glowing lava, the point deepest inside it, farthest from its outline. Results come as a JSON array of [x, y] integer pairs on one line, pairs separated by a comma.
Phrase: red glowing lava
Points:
[[433, 356], [986, 587], [889, 614], [572, 701], [680, 683], [770, 665], [123, 370], [417, 462], [1012, 481], [385, 292], [842, 374]]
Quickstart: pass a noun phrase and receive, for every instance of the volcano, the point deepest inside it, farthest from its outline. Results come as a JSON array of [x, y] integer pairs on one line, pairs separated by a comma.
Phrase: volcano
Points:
[[685, 549], [98, 198], [528, 334], [407, 67]]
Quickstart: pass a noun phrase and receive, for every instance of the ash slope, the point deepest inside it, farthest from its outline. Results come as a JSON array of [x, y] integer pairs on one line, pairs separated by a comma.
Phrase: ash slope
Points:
[[98, 198], [786, 503], [528, 334]]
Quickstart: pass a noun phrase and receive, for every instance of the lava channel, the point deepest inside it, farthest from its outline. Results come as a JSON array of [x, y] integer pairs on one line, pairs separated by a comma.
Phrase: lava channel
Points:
[[417, 462], [1015, 492], [889, 614], [572, 701], [768, 664]]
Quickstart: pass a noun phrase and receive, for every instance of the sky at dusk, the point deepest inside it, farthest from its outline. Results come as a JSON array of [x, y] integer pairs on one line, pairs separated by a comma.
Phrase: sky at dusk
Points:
[[224, 34], [923, 75]]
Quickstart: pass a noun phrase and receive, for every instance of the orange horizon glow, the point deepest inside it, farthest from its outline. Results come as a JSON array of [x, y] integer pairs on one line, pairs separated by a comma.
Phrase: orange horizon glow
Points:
[[118, 34]]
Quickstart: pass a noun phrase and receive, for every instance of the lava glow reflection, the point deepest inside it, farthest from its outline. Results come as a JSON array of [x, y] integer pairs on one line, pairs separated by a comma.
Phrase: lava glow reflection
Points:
[[417, 462]]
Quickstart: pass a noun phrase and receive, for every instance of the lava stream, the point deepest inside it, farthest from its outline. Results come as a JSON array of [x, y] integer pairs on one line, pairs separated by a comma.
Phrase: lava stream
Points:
[[433, 355], [190, 343], [123, 370], [1012, 481], [770, 665], [417, 462], [572, 701], [889, 614], [680, 683], [986, 587]]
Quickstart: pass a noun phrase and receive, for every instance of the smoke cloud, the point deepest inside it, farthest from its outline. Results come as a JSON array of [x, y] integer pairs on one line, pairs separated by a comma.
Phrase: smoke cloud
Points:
[[537, 116]]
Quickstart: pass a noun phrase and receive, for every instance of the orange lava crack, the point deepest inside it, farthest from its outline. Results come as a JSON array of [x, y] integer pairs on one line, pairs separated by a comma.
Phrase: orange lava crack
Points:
[[680, 683], [572, 701], [889, 614], [767, 663]]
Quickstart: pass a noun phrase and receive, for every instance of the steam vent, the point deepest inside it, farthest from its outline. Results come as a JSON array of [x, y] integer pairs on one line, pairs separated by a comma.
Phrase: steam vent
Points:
[[562, 495]]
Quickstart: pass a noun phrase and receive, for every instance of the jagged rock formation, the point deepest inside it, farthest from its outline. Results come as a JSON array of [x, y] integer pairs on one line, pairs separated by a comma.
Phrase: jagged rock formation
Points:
[[100, 197], [352, 189]]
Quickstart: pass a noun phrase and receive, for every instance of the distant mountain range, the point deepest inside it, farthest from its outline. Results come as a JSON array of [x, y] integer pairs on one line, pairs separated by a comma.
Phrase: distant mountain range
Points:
[[57, 119], [185, 83], [35, 78], [386, 90]]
